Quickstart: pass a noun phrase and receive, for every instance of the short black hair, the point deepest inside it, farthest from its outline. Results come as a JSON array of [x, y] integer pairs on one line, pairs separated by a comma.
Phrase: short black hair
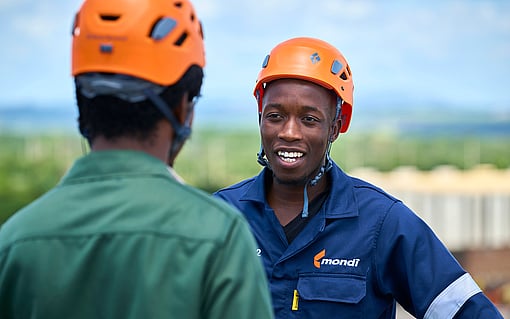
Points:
[[112, 117]]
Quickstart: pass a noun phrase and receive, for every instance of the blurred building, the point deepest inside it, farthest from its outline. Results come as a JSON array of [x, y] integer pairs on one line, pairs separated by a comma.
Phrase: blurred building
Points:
[[468, 210]]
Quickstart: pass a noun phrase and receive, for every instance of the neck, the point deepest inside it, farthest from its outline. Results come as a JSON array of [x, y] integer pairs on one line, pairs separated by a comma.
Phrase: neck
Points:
[[157, 145], [287, 199]]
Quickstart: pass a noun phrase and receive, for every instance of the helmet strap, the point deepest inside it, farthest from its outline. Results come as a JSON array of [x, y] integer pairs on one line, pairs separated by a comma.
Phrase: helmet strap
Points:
[[328, 164], [182, 132], [338, 108], [261, 158], [258, 95]]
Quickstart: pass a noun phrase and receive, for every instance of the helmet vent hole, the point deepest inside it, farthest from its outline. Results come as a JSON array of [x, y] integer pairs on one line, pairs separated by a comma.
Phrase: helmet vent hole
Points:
[[336, 67], [349, 70], [343, 76], [109, 17], [181, 39], [200, 30], [162, 28], [265, 62], [178, 4]]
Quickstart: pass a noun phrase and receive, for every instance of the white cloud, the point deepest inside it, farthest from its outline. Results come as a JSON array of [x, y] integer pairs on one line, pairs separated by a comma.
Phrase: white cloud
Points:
[[415, 48], [398, 45]]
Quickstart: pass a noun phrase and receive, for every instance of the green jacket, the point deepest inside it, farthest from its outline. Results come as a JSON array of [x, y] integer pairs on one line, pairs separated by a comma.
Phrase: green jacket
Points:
[[119, 237]]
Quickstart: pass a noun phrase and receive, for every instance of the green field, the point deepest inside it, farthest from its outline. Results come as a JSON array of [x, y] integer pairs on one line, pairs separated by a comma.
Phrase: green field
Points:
[[32, 164]]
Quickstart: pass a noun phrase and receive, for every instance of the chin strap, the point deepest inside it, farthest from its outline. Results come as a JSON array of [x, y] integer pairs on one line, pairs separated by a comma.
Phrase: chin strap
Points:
[[323, 170], [328, 164], [261, 158], [182, 132]]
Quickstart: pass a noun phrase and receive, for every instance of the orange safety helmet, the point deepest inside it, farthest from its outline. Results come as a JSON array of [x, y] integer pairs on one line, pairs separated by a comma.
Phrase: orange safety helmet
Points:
[[311, 60], [155, 40]]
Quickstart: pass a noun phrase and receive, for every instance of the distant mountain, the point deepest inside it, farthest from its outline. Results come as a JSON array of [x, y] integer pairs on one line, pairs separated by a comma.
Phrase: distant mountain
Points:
[[419, 119], [27, 118]]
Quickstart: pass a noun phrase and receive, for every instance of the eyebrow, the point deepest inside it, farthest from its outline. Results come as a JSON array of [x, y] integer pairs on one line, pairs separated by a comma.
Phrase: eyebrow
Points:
[[311, 108], [307, 108]]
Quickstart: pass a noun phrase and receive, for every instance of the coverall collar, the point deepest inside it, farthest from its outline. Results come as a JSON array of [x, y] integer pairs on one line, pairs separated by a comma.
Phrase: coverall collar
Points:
[[341, 203]]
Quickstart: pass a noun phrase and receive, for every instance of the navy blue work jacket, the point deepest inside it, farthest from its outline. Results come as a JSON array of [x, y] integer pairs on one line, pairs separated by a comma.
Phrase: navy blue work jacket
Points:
[[363, 252]]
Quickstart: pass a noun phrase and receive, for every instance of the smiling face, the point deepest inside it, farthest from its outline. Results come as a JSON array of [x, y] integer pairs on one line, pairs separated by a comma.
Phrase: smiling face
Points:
[[295, 126]]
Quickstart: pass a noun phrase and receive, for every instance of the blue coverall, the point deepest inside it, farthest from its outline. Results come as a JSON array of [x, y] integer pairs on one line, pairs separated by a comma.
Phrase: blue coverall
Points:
[[363, 252]]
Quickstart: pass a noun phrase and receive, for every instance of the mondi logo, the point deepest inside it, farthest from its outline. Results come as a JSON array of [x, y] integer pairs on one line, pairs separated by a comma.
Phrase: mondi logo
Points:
[[319, 260]]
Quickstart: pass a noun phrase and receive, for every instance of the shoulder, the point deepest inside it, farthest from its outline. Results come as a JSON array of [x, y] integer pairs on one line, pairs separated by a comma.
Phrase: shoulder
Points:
[[251, 189], [357, 195], [344, 182], [197, 208], [200, 199], [242, 185], [366, 188], [162, 208], [391, 210]]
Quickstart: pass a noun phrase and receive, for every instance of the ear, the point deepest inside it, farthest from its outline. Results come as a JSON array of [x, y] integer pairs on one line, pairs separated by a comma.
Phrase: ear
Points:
[[181, 109]]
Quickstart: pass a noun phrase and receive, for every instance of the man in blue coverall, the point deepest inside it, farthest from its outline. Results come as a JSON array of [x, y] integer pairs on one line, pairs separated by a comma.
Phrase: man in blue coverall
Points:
[[334, 246]]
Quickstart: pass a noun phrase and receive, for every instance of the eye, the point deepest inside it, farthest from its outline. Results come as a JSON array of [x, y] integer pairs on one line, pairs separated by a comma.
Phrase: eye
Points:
[[310, 119], [273, 116]]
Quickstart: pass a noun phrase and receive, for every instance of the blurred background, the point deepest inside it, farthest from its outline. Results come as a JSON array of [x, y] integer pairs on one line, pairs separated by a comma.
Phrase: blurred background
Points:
[[431, 121]]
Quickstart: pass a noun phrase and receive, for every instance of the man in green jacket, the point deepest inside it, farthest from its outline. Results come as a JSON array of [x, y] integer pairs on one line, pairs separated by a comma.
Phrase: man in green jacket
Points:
[[120, 236]]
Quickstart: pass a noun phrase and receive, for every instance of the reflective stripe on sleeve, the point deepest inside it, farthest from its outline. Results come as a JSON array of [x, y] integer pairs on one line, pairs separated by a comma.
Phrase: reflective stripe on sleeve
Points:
[[451, 299]]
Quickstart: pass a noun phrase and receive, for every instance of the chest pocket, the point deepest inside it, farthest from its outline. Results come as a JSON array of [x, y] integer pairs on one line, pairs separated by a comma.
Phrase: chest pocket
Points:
[[331, 294]]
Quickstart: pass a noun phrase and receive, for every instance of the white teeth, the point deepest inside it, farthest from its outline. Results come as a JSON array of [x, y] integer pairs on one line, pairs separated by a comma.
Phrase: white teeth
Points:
[[289, 156]]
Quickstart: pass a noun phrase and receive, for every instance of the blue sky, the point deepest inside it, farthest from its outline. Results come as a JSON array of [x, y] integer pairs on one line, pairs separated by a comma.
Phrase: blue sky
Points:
[[444, 51]]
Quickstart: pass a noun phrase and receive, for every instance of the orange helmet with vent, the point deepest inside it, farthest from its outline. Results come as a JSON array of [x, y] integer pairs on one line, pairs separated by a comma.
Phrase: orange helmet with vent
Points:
[[311, 60], [155, 40]]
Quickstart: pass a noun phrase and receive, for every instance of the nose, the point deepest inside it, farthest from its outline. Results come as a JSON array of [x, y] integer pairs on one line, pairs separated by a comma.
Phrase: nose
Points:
[[291, 130]]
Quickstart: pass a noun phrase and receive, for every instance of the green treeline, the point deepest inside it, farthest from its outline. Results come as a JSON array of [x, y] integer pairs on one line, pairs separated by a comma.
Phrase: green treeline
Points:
[[32, 164]]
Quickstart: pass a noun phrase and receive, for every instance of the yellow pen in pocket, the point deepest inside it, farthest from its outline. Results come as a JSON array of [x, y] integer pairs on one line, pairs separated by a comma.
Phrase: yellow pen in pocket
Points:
[[295, 300]]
